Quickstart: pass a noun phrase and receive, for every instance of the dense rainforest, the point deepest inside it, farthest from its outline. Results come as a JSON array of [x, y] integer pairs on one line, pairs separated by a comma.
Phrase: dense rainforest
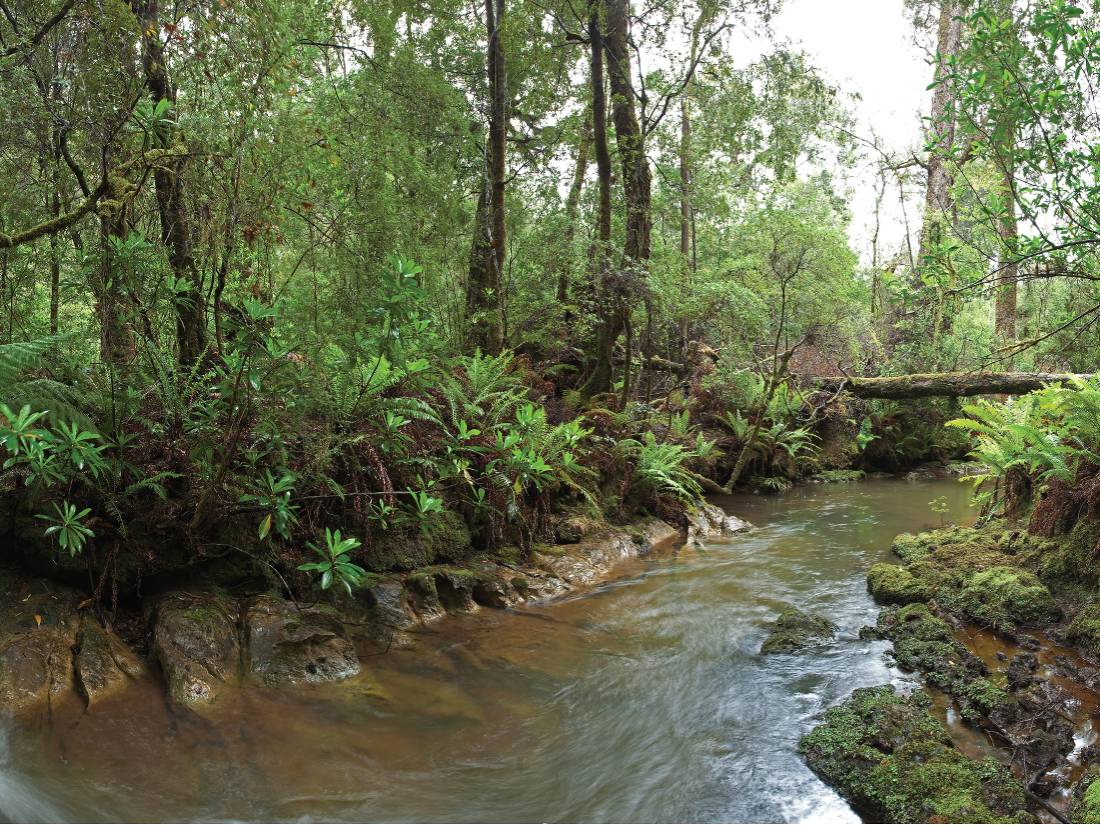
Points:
[[316, 310]]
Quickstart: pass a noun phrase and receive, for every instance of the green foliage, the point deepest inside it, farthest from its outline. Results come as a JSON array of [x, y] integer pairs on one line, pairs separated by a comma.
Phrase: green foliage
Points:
[[68, 528], [335, 565], [661, 468]]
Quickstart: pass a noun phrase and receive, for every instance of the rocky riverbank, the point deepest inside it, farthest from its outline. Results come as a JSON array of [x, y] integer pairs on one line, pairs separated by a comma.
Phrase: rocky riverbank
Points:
[[202, 641], [1001, 625]]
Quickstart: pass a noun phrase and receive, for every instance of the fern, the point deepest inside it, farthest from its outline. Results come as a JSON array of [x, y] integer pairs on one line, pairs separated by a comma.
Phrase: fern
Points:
[[18, 360]]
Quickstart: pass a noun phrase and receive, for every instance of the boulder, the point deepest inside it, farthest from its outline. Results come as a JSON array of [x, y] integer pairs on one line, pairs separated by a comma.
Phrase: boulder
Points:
[[289, 645], [39, 622], [893, 761], [103, 663], [196, 641], [793, 630], [895, 585]]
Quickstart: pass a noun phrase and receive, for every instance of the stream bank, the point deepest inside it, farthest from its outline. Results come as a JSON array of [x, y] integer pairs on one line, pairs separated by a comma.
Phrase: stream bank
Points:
[[203, 640], [642, 698], [998, 623]]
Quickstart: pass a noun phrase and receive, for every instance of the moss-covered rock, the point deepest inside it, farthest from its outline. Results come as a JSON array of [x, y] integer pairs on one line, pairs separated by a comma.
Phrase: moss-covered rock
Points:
[[1085, 807], [1004, 597], [196, 641], [925, 643], [1084, 630], [449, 541], [893, 761], [895, 585], [794, 630]]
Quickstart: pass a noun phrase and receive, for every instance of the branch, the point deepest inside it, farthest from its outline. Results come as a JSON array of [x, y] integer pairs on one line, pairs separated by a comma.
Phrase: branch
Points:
[[42, 31]]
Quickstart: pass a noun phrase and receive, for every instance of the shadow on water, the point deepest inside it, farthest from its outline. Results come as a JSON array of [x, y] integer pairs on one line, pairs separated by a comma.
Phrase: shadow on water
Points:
[[644, 700]]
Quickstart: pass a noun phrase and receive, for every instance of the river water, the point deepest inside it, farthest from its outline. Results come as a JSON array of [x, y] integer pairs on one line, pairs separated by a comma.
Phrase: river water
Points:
[[644, 700]]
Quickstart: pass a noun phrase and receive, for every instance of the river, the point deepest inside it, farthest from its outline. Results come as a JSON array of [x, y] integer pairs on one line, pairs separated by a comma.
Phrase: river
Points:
[[643, 700]]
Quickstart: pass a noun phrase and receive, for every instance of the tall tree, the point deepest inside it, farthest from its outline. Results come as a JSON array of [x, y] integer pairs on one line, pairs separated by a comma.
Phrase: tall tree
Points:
[[940, 135], [175, 224], [485, 288]]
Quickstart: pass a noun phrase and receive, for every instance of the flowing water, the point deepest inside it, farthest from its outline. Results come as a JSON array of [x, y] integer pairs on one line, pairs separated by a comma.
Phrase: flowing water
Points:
[[643, 700]]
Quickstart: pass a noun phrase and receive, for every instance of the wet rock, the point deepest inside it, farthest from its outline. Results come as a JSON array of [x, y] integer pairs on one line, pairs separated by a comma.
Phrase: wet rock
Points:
[[794, 630], [196, 642], [925, 643], [1037, 724], [893, 761], [1021, 671], [568, 530], [590, 560], [39, 622], [895, 585], [289, 645], [711, 520], [1085, 802], [103, 663]]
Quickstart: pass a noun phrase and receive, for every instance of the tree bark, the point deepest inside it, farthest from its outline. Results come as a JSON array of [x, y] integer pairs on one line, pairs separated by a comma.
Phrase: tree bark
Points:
[[628, 136], [925, 385], [175, 224], [941, 133], [572, 202], [607, 328], [485, 286]]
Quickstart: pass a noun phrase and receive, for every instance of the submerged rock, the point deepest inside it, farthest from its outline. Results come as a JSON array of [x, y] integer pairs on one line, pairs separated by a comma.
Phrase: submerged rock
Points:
[[196, 641], [793, 630], [288, 645], [894, 762]]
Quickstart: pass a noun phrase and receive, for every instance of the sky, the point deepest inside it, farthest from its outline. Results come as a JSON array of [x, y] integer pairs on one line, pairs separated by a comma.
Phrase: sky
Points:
[[867, 47]]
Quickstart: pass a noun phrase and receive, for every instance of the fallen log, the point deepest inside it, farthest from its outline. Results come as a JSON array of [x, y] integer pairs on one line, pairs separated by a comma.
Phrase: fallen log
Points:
[[923, 385]]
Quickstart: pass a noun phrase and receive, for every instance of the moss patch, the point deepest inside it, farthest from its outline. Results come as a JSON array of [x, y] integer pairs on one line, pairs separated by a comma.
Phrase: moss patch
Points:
[[1086, 799], [890, 758], [895, 585], [1084, 631], [924, 643], [793, 630], [1004, 597]]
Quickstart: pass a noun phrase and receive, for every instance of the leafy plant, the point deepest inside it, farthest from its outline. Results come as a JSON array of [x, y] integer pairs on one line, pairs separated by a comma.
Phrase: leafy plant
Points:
[[68, 528], [335, 566]]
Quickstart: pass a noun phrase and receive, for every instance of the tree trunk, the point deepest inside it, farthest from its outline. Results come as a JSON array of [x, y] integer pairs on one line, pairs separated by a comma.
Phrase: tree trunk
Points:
[[686, 223], [485, 286], [607, 328], [175, 224], [924, 385], [628, 136], [1008, 268], [636, 185], [572, 202], [941, 134]]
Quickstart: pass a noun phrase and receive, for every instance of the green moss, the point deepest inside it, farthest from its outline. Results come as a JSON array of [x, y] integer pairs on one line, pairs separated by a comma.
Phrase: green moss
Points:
[[1084, 631], [839, 475], [896, 585], [1086, 805], [794, 629], [890, 758], [449, 541], [1071, 564], [1004, 597]]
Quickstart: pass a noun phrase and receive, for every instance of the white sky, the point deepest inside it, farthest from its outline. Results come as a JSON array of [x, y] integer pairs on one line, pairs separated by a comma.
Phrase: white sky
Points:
[[867, 47]]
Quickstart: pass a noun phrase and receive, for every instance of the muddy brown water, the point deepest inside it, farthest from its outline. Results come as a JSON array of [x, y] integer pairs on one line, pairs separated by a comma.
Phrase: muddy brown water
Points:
[[643, 700]]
